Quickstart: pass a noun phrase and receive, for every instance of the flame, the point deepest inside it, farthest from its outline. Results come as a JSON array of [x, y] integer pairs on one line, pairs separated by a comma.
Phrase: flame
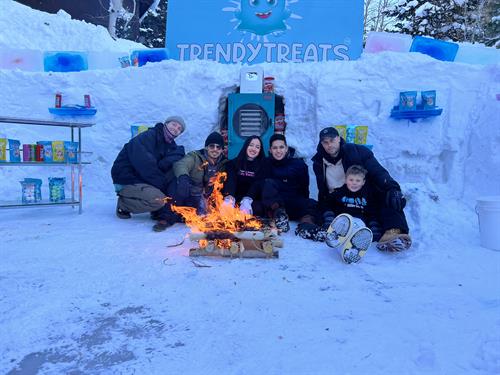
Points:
[[220, 217]]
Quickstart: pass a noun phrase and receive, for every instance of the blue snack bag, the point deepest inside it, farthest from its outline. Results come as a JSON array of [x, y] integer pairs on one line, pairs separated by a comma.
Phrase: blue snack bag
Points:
[[429, 99], [71, 150], [14, 152], [47, 150], [408, 101], [56, 189], [37, 183]]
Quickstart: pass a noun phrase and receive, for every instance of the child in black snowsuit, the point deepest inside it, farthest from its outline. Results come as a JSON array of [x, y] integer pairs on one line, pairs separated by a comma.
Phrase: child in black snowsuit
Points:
[[354, 197]]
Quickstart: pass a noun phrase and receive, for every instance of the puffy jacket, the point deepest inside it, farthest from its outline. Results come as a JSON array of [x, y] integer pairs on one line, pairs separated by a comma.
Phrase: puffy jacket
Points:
[[291, 172], [147, 158], [195, 165], [353, 154]]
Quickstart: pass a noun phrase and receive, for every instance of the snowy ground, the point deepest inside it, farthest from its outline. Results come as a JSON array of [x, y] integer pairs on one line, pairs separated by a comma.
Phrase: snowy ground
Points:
[[92, 294]]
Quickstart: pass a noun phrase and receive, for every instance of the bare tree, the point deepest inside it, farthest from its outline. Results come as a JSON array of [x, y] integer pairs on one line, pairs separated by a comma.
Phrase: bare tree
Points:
[[375, 17]]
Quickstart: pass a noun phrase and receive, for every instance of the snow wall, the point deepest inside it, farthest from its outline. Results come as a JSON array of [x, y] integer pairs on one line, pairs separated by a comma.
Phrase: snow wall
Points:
[[457, 150]]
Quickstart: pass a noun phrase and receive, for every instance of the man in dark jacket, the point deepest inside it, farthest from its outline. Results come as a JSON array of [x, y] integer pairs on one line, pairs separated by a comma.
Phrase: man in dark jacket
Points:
[[330, 163], [143, 172], [285, 187]]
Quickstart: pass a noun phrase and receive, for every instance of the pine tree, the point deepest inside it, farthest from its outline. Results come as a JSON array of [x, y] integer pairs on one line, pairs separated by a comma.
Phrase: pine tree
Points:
[[457, 20], [491, 23], [153, 26]]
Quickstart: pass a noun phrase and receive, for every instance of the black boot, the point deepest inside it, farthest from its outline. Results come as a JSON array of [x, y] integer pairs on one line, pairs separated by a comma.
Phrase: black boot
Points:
[[122, 214], [281, 220], [161, 225]]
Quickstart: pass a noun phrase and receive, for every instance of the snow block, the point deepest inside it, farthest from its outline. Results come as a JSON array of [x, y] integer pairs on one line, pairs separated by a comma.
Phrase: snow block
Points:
[[475, 54], [143, 56], [438, 49], [381, 41], [105, 60], [23, 59], [65, 61]]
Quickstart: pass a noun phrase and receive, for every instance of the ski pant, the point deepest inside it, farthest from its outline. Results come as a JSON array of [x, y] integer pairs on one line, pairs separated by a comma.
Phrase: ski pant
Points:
[[296, 206], [140, 198]]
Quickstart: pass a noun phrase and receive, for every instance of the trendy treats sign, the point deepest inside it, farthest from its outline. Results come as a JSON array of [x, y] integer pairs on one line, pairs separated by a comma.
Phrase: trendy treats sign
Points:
[[255, 31]]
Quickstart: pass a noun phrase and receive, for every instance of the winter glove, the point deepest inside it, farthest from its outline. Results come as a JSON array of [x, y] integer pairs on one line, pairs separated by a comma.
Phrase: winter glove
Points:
[[395, 199], [183, 188], [246, 205], [229, 201], [307, 231]]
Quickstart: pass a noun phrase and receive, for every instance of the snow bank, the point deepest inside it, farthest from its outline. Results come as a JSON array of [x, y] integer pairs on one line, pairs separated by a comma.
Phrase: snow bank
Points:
[[26, 28]]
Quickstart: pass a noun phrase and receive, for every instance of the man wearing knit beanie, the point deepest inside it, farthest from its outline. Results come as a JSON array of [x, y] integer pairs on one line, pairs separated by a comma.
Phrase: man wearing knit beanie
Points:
[[194, 171], [143, 172]]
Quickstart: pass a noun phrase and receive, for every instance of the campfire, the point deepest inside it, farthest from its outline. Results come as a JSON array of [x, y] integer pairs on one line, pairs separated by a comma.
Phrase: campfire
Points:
[[225, 230]]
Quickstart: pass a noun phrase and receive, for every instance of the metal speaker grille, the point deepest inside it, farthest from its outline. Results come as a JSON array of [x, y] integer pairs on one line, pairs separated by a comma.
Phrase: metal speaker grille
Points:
[[250, 121]]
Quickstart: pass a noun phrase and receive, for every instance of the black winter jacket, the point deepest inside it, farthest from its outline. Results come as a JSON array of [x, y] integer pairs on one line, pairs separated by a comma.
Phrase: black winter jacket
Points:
[[353, 154], [291, 172], [147, 158]]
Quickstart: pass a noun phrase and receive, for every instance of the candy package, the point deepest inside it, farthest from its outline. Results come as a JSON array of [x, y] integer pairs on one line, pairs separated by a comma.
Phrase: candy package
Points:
[[31, 190], [14, 152], [408, 101], [71, 150], [137, 129], [361, 133], [3, 149], [56, 189], [429, 99], [58, 151], [47, 150], [350, 134], [342, 129]]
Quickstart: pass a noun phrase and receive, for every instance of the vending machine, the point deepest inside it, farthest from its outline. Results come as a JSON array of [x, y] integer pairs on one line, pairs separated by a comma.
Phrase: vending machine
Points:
[[249, 114]]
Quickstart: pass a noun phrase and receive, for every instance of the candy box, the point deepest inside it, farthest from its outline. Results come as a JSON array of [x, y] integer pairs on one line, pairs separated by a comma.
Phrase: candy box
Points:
[[3, 149], [71, 150], [14, 152], [58, 151], [342, 129], [360, 134], [47, 150]]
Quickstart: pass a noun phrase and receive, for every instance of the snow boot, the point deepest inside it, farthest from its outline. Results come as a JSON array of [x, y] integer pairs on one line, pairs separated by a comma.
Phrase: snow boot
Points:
[[339, 229], [394, 240], [355, 248], [122, 214], [307, 231], [281, 220], [161, 225]]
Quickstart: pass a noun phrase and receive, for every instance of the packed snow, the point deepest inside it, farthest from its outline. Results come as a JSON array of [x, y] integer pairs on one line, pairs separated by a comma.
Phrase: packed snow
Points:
[[95, 294]]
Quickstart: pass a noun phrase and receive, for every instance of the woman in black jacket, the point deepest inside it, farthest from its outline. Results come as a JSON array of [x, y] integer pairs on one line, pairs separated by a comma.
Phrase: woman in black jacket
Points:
[[242, 173]]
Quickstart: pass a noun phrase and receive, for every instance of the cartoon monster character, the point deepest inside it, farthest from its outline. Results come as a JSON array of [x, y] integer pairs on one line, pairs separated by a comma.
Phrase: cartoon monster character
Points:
[[262, 17]]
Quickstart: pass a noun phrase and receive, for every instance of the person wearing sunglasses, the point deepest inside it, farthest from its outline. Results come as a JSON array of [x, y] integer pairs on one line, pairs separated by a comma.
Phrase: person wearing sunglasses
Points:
[[143, 171], [193, 173]]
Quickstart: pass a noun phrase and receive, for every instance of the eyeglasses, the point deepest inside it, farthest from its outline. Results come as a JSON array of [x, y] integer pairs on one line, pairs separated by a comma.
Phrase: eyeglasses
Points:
[[214, 146]]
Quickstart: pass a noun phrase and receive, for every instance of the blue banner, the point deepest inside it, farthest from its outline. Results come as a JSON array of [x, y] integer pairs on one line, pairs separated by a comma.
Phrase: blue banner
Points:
[[255, 31]]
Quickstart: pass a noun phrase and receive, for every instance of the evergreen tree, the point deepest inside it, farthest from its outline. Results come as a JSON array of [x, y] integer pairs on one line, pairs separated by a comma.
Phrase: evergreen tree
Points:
[[491, 23], [153, 26], [457, 20]]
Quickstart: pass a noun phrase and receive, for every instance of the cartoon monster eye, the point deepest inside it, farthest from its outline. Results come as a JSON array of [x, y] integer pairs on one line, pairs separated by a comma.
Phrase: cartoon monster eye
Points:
[[272, 2], [254, 3]]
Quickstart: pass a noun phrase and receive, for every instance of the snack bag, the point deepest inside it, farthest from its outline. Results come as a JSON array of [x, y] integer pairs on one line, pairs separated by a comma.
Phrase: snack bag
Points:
[[58, 151], [408, 101], [360, 134], [429, 99], [3, 149], [33, 189], [137, 129], [350, 134], [71, 149], [56, 189], [14, 152], [47, 150], [342, 129]]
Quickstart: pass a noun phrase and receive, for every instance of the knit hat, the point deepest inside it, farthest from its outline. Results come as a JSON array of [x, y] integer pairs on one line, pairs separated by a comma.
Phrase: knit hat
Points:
[[328, 132], [177, 119], [277, 137], [214, 139]]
